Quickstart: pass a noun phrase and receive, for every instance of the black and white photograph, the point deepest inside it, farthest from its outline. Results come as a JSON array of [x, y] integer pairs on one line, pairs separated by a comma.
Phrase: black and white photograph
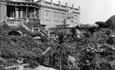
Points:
[[57, 34]]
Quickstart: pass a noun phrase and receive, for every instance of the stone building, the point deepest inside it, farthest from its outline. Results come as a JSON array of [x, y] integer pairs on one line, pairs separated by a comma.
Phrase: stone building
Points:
[[52, 14], [18, 13], [18, 9], [21, 16]]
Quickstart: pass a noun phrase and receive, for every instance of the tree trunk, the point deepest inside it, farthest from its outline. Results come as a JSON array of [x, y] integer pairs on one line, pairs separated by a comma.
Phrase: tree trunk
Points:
[[60, 64]]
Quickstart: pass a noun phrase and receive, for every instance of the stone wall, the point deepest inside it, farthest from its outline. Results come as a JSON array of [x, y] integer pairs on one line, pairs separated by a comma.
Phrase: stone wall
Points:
[[52, 14]]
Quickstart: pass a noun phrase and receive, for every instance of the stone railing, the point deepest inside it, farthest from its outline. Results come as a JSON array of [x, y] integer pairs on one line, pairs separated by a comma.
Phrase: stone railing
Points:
[[14, 22]]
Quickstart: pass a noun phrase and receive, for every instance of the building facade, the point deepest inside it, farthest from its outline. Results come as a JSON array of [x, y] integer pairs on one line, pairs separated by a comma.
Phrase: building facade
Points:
[[52, 14], [18, 9], [23, 13], [49, 13]]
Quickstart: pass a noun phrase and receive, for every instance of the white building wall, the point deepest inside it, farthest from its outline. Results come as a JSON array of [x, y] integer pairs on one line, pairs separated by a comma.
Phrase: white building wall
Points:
[[3, 10], [52, 14]]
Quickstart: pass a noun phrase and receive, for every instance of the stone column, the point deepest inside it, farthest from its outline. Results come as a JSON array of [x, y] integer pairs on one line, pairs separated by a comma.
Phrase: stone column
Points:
[[35, 13], [3, 11], [26, 11], [21, 14], [17, 12]]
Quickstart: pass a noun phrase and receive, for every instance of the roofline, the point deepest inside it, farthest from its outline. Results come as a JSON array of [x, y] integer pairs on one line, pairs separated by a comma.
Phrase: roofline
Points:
[[21, 2], [53, 7], [59, 4]]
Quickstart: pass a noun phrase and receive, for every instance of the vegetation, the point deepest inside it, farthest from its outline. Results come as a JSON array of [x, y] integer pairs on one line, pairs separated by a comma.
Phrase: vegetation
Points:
[[92, 51], [15, 47]]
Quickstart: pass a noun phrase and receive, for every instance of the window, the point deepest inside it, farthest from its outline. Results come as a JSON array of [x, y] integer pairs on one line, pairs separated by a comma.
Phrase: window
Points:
[[55, 16], [47, 14], [62, 16], [75, 18]]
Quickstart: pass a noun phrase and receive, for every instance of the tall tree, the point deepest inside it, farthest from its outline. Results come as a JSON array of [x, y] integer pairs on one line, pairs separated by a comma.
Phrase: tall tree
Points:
[[61, 50]]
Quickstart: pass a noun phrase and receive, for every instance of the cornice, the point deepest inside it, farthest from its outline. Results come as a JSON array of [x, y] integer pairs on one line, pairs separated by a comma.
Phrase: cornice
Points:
[[57, 8], [28, 4]]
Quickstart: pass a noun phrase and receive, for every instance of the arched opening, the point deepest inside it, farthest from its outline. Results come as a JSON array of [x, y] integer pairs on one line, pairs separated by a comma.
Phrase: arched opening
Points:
[[14, 33]]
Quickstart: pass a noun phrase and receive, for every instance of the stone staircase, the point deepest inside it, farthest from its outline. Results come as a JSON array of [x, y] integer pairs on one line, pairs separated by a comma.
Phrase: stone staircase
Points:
[[46, 61]]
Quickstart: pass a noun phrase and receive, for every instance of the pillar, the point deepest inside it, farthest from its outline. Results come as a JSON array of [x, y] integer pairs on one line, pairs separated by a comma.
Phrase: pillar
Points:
[[3, 11], [17, 12], [26, 11], [35, 13], [21, 13], [41, 15]]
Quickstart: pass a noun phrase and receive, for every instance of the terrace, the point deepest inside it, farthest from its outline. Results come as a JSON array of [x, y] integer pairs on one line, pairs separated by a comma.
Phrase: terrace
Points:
[[21, 9]]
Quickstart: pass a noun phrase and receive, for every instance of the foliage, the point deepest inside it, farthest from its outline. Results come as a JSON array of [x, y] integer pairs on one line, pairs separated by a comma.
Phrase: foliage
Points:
[[91, 56], [13, 47], [73, 34], [61, 50], [92, 52], [86, 50]]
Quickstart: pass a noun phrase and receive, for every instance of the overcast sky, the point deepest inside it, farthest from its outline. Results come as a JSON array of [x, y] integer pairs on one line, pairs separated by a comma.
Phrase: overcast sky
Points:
[[92, 10]]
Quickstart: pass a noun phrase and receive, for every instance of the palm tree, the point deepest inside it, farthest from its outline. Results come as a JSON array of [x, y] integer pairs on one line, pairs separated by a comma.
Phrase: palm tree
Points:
[[61, 49]]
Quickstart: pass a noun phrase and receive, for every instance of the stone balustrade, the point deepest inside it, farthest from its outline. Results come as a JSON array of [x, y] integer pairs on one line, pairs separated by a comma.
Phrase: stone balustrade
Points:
[[14, 22]]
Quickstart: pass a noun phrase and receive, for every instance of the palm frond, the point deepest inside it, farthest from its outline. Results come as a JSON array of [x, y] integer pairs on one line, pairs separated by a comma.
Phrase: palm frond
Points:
[[61, 37]]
